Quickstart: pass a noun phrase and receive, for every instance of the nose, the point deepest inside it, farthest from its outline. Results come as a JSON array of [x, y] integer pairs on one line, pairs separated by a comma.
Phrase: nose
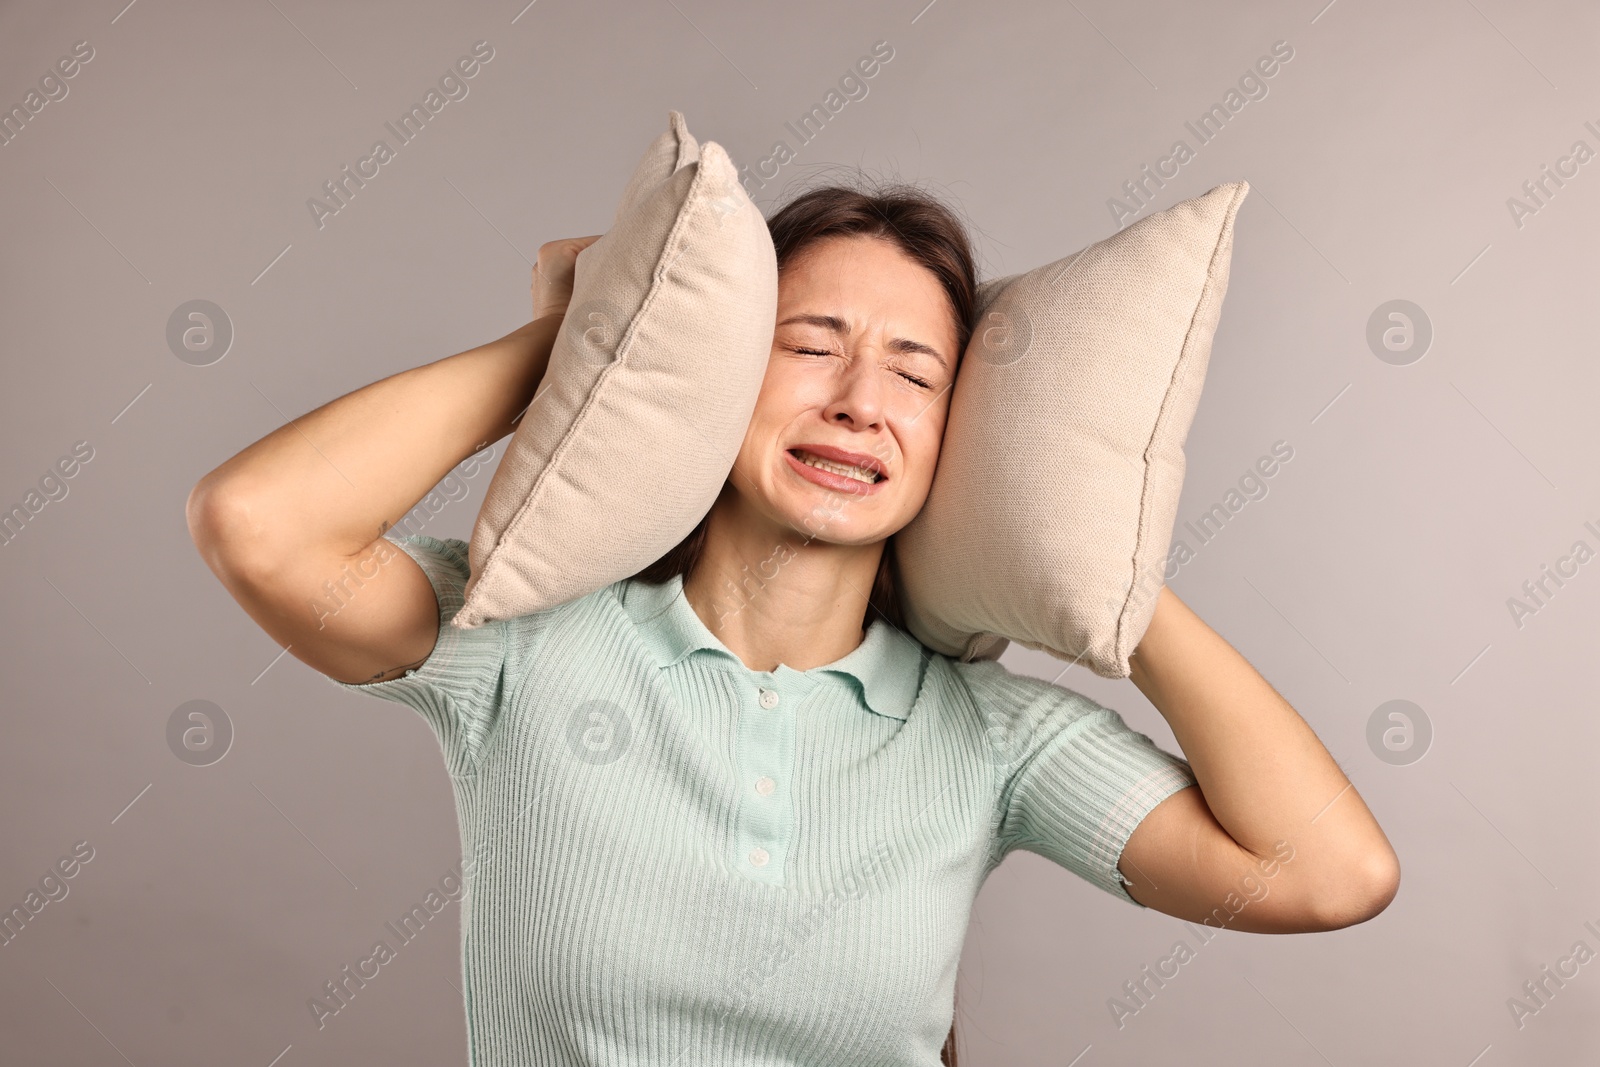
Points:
[[858, 401]]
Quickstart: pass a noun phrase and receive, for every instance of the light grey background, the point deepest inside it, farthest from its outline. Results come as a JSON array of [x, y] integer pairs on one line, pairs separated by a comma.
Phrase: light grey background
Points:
[[1378, 566]]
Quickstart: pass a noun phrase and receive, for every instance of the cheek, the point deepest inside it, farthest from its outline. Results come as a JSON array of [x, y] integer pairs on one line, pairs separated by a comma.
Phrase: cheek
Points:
[[757, 436], [780, 381], [772, 414], [920, 449], [787, 394], [930, 428]]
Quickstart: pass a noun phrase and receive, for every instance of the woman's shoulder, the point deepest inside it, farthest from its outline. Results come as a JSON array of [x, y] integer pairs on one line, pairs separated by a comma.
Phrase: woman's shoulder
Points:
[[447, 561], [984, 688], [1021, 701], [989, 679]]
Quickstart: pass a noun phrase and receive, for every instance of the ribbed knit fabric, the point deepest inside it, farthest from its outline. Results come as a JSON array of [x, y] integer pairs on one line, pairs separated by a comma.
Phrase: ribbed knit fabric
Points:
[[671, 859]]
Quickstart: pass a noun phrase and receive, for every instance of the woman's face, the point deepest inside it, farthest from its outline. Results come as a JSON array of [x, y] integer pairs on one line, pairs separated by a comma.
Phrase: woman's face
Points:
[[863, 358]]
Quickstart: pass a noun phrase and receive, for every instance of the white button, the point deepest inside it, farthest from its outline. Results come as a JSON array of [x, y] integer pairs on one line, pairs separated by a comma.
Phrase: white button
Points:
[[758, 857], [769, 699], [765, 786]]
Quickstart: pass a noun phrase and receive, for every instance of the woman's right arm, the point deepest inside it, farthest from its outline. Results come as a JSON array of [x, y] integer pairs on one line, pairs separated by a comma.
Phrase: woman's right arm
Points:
[[308, 504]]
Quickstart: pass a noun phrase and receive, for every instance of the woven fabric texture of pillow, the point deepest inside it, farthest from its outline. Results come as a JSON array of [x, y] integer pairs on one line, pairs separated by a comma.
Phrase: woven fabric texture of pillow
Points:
[[651, 384], [1051, 511]]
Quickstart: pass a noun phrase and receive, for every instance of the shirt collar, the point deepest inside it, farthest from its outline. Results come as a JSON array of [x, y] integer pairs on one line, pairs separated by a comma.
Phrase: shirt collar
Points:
[[887, 664]]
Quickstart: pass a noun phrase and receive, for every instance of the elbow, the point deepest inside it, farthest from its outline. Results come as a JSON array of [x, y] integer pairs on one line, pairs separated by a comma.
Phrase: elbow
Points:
[[1368, 887], [198, 514], [224, 524], [208, 512], [1382, 881]]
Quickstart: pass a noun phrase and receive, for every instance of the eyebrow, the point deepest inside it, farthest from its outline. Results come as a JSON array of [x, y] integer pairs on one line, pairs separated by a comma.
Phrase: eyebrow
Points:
[[837, 325]]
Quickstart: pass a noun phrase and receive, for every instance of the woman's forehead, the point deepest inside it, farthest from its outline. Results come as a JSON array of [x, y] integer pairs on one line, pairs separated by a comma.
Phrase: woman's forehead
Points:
[[862, 290]]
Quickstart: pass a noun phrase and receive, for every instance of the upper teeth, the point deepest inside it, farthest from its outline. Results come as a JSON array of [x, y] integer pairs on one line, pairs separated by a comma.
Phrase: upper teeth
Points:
[[860, 474]]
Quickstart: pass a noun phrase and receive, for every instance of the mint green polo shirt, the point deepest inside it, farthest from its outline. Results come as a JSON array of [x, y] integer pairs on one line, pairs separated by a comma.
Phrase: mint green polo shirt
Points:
[[670, 858]]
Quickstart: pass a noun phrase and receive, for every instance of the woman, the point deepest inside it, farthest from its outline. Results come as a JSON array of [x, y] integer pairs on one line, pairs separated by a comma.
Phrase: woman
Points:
[[728, 811]]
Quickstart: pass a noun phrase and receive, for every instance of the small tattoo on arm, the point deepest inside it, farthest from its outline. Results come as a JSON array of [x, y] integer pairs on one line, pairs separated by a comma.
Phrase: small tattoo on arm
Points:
[[402, 667]]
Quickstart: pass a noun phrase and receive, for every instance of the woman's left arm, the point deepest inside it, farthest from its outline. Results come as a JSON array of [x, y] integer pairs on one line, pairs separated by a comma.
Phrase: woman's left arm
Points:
[[1275, 839]]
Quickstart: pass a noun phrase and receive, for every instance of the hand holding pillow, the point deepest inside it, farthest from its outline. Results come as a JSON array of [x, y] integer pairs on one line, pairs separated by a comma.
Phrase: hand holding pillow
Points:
[[553, 274]]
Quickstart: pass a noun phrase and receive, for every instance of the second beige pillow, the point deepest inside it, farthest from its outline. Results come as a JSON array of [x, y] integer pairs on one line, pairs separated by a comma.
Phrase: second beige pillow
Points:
[[1052, 507]]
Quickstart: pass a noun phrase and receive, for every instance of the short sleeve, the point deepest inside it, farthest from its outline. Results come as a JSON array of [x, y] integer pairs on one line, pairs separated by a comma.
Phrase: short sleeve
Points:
[[1074, 780], [460, 688]]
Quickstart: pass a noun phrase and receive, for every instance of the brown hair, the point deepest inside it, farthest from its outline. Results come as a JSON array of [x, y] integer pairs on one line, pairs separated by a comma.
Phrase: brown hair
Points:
[[931, 234]]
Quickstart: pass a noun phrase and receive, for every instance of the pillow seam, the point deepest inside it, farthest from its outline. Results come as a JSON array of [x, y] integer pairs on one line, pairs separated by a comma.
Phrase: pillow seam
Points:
[[1185, 361], [692, 202]]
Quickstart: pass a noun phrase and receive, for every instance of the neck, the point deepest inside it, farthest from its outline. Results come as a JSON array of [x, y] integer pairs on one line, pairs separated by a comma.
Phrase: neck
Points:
[[772, 596]]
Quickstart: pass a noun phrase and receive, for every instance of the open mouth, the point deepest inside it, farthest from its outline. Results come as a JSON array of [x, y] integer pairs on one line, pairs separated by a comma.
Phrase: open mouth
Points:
[[844, 470]]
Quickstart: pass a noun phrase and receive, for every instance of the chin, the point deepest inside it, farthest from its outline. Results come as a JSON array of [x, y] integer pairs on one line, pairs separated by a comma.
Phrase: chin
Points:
[[839, 529]]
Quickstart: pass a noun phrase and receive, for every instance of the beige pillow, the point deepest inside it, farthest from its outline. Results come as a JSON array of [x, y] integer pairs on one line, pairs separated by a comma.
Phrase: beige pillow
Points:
[[652, 382], [1052, 507]]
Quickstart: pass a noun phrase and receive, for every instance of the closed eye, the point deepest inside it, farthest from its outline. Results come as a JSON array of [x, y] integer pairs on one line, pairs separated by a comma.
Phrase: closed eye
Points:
[[903, 374]]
